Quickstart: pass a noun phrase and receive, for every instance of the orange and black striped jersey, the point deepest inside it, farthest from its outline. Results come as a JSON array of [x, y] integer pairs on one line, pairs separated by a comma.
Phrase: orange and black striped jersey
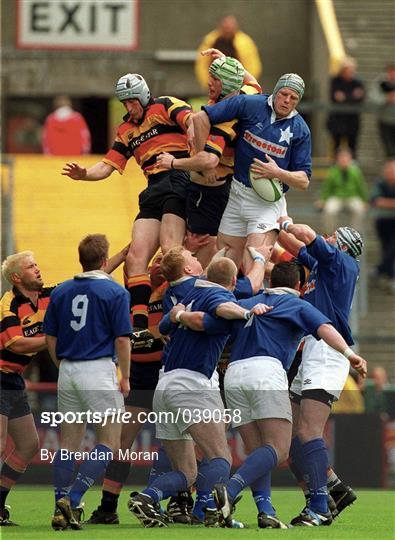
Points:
[[20, 318], [222, 138], [155, 314], [162, 129]]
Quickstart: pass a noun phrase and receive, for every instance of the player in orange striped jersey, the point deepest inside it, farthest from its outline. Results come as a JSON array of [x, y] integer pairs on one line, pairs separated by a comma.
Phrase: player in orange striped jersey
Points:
[[150, 127], [213, 164]]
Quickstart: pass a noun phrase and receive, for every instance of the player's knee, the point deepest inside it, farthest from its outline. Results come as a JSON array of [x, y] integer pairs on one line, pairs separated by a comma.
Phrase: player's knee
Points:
[[29, 448]]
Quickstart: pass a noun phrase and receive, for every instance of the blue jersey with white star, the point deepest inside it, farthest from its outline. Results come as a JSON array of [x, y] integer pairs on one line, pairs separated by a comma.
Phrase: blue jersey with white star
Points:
[[286, 140], [331, 283], [277, 333], [176, 291], [197, 351], [86, 314]]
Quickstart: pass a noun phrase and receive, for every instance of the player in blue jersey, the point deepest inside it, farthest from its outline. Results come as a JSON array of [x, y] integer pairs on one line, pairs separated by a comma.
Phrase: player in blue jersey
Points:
[[334, 271], [273, 142], [188, 392], [87, 325], [256, 382]]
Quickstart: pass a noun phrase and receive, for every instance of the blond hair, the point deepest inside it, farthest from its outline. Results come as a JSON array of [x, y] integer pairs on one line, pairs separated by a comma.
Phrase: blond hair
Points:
[[172, 264], [222, 271], [12, 264]]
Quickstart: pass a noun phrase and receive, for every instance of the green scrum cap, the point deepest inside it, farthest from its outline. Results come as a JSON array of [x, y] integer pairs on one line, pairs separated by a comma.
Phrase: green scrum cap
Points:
[[230, 72], [292, 81]]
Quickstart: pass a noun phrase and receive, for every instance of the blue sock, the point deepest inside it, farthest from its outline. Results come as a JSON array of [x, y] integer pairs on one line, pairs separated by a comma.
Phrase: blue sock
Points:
[[296, 463], [261, 491], [160, 466], [316, 463], [63, 473], [166, 485], [258, 463], [217, 472], [202, 490], [91, 469]]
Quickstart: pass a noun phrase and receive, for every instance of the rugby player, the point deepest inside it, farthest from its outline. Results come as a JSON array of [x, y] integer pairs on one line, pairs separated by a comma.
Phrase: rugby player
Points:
[[208, 193], [87, 322], [270, 129], [150, 127], [330, 287], [22, 314]]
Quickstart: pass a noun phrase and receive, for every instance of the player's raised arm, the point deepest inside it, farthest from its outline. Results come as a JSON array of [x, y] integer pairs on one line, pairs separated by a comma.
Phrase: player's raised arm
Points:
[[99, 171]]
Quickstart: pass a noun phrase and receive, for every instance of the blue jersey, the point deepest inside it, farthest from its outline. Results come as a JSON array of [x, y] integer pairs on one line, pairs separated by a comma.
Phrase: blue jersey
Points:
[[86, 314], [197, 351], [277, 333], [178, 289], [286, 140], [331, 283]]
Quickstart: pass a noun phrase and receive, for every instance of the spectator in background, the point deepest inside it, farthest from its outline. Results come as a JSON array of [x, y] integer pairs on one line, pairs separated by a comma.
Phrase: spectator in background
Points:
[[65, 131], [383, 202], [351, 400], [344, 188], [232, 42], [345, 90], [383, 94], [374, 390]]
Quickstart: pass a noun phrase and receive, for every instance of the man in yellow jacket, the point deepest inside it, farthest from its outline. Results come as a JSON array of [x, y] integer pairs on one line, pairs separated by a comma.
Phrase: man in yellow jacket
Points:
[[232, 42]]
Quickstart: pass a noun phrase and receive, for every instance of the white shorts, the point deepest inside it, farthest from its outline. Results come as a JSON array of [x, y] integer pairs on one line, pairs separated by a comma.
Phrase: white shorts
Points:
[[183, 398], [247, 213], [321, 368], [258, 388], [89, 385]]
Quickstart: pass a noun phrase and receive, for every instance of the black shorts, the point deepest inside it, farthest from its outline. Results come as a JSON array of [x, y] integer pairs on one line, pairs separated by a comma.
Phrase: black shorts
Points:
[[205, 206], [13, 397], [143, 380], [165, 194]]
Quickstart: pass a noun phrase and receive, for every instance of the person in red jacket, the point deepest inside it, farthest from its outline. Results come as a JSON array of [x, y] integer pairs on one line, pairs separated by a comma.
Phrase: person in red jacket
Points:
[[65, 131]]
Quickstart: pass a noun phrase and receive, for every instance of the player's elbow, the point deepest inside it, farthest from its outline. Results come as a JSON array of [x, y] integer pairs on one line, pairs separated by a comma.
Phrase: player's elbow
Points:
[[211, 161], [304, 182]]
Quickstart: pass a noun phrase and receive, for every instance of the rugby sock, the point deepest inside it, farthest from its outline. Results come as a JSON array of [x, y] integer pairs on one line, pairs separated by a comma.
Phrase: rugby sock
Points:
[[261, 491], [139, 287], [166, 485], [12, 469], [91, 469], [116, 475], [258, 463], [63, 473], [160, 465], [217, 472], [296, 465], [204, 497], [316, 464]]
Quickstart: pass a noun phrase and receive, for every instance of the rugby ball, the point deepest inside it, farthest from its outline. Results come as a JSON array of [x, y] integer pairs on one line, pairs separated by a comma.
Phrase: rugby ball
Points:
[[268, 190]]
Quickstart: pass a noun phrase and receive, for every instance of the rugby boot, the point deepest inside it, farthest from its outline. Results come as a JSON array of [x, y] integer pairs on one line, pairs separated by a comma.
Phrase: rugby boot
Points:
[[342, 498], [178, 508], [71, 515], [146, 511], [266, 521], [5, 517], [308, 518], [223, 503], [141, 338], [100, 517], [59, 522]]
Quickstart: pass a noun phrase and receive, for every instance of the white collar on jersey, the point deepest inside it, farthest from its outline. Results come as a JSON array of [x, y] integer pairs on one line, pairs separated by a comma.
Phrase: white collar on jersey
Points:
[[273, 116], [282, 290], [179, 280], [206, 283], [93, 274]]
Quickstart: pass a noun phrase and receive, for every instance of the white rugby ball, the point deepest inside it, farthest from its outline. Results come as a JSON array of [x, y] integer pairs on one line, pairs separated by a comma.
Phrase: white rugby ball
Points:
[[268, 190]]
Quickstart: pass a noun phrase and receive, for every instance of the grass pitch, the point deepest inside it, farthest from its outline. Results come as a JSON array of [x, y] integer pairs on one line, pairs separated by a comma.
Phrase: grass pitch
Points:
[[371, 517]]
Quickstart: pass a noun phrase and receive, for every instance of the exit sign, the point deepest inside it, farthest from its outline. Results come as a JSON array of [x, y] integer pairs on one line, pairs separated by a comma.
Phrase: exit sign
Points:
[[77, 24]]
